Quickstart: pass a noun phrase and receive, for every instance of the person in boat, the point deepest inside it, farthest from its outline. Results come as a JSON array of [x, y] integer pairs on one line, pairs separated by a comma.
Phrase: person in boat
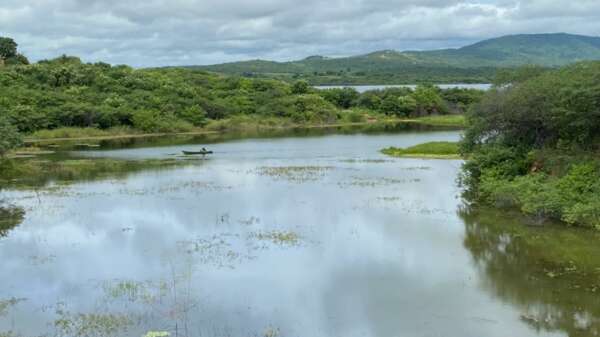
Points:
[[204, 150]]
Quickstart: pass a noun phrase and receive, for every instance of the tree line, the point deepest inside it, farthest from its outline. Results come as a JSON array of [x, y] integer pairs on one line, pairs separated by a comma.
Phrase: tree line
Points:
[[66, 92], [534, 144]]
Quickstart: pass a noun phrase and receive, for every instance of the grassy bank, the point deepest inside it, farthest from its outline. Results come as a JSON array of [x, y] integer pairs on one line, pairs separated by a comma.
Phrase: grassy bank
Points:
[[238, 124], [432, 150], [443, 120]]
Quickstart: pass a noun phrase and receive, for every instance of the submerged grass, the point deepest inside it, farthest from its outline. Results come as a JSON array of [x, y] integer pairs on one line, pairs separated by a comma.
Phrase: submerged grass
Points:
[[297, 174], [92, 324], [5, 305], [433, 150], [24, 173], [443, 120], [10, 217], [278, 237]]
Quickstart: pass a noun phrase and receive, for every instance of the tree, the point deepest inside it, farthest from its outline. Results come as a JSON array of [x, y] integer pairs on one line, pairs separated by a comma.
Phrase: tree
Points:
[[428, 100], [9, 136], [300, 87], [8, 48], [17, 60]]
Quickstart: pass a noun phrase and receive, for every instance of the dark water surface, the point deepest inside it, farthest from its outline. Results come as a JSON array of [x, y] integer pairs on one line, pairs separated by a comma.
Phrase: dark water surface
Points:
[[292, 236]]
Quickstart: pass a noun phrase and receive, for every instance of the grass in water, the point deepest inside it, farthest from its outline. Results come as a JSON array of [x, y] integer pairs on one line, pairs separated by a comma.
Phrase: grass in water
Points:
[[434, 150], [443, 120]]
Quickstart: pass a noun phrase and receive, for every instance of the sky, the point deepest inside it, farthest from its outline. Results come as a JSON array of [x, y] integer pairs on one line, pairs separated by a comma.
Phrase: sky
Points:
[[144, 33]]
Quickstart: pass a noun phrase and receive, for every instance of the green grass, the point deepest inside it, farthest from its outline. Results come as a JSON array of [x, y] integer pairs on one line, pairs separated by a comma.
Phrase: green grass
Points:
[[443, 120], [74, 132], [434, 150]]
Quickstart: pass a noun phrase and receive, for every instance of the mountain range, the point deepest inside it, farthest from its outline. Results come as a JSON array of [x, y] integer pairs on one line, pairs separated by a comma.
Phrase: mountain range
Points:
[[473, 63]]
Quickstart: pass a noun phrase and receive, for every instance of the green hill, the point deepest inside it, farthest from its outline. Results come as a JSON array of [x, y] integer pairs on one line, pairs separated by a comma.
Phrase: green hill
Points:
[[473, 63]]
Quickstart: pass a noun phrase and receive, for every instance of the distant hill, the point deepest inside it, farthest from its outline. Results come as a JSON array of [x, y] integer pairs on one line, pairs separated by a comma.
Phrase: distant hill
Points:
[[473, 63]]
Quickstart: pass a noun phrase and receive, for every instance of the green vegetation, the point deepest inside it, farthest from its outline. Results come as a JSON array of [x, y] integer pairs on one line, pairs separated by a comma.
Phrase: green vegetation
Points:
[[25, 173], [8, 53], [476, 63], [10, 217], [434, 150], [534, 143], [9, 136], [443, 120], [83, 132], [65, 98]]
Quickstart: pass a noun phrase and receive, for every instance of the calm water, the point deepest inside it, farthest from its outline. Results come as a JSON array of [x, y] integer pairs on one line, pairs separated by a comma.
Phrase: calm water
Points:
[[299, 236], [363, 88]]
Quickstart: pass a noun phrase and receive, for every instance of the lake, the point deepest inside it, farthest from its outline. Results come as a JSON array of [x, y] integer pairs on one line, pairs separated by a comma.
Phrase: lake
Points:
[[313, 235], [364, 88]]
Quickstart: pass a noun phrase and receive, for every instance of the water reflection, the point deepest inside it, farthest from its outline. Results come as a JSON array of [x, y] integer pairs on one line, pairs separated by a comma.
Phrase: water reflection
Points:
[[318, 236], [10, 217], [551, 274]]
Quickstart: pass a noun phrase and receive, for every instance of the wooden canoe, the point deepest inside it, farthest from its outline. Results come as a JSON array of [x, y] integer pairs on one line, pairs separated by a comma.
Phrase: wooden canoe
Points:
[[189, 153]]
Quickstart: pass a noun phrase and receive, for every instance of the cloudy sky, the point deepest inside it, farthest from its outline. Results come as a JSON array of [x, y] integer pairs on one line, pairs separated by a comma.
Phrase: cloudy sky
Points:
[[180, 32]]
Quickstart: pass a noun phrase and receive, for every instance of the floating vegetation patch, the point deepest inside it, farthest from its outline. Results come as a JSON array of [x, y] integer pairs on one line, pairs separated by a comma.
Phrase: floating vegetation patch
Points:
[[5, 305], [406, 206], [283, 238], [375, 181], [92, 324], [157, 334], [222, 250], [272, 332], [10, 217], [250, 221], [196, 187], [414, 168], [229, 250], [130, 291], [38, 260], [389, 199], [431, 150], [366, 161], [297, 174]]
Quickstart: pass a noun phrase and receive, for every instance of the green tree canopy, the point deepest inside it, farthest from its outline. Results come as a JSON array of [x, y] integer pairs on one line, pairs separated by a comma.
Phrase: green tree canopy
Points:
[[8, 48], [9, 136]]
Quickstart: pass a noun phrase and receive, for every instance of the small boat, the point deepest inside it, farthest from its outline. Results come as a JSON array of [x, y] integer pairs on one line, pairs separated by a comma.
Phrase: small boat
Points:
[[202, 152]]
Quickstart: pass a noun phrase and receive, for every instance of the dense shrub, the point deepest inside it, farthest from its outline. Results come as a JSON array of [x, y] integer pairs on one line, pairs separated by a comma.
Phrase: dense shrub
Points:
[[533, 144]]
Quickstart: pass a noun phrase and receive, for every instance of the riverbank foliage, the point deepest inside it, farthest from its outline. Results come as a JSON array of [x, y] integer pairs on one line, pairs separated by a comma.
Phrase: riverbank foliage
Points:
[[65, 93], [534, 144], [439, 150]]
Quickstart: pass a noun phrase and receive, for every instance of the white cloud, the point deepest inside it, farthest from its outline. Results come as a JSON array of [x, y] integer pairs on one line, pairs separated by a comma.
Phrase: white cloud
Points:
[[173, 32]]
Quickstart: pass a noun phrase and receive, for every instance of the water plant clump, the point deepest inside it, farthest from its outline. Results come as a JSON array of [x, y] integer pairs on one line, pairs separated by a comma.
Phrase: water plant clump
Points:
[[5, 305], [432, 150], [10, 217], [286, 238], [92, 324], [296, 174]]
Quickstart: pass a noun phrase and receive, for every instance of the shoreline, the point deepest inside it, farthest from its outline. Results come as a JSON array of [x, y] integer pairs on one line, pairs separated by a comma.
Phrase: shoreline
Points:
[[33, 141]]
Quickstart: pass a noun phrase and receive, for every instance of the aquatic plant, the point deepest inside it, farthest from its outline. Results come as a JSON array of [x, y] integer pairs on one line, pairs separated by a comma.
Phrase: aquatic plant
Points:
[[5, 305], [157, 334], [297, 174], [433, 150], [92, 324], [287, 238], [10, 217]]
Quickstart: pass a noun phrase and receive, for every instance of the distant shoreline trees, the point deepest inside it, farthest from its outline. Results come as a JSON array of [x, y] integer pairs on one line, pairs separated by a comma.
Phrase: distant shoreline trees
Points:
[[9, 54]]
